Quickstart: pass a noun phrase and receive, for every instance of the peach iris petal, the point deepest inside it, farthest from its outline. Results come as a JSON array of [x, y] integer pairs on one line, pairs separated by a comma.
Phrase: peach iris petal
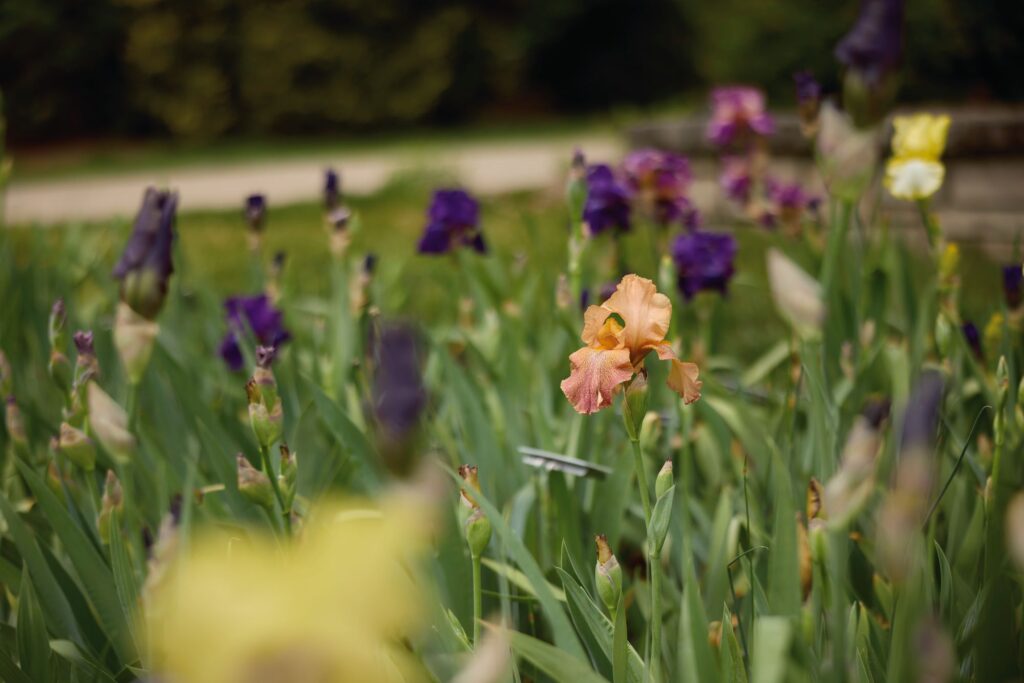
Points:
[[595, 374], [645, 311], [682, 379], [683, 376]]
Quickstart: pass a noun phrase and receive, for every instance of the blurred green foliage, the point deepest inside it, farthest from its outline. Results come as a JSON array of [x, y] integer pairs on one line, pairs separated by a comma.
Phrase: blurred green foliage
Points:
[[207, 68]]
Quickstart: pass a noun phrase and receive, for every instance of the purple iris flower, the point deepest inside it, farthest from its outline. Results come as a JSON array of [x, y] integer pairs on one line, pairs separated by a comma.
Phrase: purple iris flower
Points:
[[1013, 283], [736, 180], [453, 219], [145, 265], [738, 112], [332, 189], [973, 337], [660, 179], [398, 393], [255, 313], [607, 205], [704, 261], [807, 87], [808, 97], [255, 211], [874, 45]]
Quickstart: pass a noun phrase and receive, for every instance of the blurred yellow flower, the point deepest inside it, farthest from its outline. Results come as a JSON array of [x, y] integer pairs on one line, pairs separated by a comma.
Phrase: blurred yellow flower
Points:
[[332, 607], [914, 171], [618, 335]]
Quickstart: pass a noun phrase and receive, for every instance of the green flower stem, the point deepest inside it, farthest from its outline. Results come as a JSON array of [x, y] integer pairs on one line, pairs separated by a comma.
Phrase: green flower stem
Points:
[[931, 230], [641, 479], [835, 244], [477, 601], [654, 564], [268, 468]]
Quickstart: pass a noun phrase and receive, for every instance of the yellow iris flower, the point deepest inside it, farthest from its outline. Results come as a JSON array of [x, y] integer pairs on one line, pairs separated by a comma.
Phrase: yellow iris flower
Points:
[[915, 172], [618, 335], [332, 607]]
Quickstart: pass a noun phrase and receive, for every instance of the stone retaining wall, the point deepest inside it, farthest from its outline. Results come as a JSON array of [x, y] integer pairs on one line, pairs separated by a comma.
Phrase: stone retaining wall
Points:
[[981, 200]]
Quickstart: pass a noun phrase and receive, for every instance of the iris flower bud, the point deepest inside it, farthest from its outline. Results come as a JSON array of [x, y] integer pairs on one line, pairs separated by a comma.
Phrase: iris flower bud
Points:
[[59, 365], [112, 503], [804, 553], [332, 190], [145, 265], [607, 575], [288, 476], [78, 447], [266, 413], [6, 378], [15, 424], [650, 432], [1015, 530], [134, 337], [664, 481], [477, 526], [797, 295], [254, 484], [256, 212], [871, 51], [109, 423], [634, 407]]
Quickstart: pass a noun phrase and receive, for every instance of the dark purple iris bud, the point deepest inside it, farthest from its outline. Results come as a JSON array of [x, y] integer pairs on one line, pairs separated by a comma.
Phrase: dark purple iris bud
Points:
[[876, 411], [84, 343], [584, 299], [973, 338], [453, 219], [256, 211], [145, 265], [1013, 284], [921, 419], [255, 315], [704, 261], [607, 206], [660, 180], [808, 97], [332, 190], [874, 45], [399, 396], [578, 170], [369, 263], [738, 115], [871, 52]]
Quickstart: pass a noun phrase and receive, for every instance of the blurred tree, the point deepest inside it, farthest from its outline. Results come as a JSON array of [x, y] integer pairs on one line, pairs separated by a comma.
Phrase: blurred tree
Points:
[[60, 68], [181, 56], [205, 68]]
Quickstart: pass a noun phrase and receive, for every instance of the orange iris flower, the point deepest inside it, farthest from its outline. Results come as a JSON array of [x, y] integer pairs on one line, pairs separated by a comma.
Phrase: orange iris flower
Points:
[[618, 335]]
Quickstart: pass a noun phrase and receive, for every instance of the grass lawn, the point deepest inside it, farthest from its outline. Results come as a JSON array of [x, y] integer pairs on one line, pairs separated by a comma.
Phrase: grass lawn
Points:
[[526, 225]]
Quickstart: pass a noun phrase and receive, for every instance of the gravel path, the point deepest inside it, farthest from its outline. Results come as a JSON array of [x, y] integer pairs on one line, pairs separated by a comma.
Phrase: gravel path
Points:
[[484, 168]]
